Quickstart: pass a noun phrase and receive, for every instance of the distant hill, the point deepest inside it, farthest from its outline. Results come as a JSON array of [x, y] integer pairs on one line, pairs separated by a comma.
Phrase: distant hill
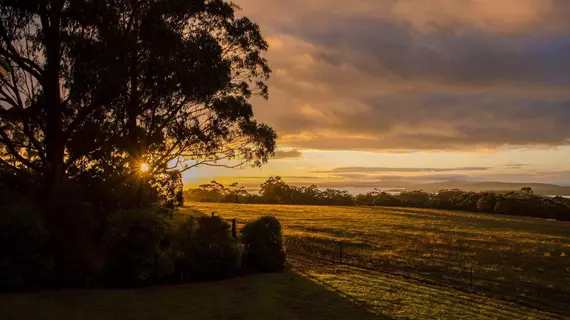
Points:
[[398, 185], [538, 188]]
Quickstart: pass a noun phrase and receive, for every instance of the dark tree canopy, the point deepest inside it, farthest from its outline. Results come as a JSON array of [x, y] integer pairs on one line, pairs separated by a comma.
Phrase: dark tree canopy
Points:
[[96, 88]]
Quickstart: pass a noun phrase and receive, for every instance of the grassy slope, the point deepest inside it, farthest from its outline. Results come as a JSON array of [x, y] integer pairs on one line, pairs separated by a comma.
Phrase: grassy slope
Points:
[[512, 249], [270, 296]]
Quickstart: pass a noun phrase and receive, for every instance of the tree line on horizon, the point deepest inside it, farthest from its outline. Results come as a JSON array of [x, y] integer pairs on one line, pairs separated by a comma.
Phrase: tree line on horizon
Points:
[[276, 191]]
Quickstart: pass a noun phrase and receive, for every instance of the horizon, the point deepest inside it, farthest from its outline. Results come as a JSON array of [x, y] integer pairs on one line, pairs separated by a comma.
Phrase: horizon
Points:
[[394, 187], [454, 90]]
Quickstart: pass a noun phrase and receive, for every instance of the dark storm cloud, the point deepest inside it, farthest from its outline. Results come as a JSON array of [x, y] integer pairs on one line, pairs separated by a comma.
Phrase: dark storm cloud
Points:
[[402, 75], [378, 47]]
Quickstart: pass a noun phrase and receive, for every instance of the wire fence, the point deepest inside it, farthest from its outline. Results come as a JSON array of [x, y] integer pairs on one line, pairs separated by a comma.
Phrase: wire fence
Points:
[[552, 297]]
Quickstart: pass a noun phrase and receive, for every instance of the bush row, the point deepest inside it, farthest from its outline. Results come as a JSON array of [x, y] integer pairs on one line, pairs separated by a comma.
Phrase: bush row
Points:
[[137, 247], [272, 191], [522, 203]]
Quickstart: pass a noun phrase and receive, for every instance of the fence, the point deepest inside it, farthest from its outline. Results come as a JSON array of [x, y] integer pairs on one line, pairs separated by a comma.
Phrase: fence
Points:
[[549, 297]]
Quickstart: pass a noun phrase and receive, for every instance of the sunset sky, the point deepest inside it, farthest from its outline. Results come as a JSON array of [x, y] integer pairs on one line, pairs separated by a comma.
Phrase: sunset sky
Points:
[[400, 90]]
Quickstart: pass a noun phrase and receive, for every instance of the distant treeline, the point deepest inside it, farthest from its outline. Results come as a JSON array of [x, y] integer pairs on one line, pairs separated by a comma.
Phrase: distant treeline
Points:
[[276, 191]]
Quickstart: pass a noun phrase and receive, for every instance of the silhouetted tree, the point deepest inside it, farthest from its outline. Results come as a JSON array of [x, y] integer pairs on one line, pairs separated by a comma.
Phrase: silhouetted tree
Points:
[[94, 89], [275, 190], [486, 202], [103, 86]]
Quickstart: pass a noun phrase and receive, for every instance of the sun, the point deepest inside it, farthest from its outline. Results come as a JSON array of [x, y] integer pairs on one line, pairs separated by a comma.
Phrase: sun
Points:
[[144, 167]]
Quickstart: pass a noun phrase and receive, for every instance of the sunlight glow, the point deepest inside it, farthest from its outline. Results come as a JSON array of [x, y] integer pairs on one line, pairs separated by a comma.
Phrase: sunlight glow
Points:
[[144, 167]]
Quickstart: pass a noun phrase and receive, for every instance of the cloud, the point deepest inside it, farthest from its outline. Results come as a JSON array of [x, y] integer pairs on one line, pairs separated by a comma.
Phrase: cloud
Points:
[[390, 169], [443, 177], [301, 177], [402, 75], [358, 177], [498, 16], [287, 154], [504, 16], [515, 165]]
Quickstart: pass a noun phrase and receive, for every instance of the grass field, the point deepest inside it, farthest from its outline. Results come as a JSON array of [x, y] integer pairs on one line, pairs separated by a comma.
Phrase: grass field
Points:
[[270, 296], [420, 247], [508, 255]]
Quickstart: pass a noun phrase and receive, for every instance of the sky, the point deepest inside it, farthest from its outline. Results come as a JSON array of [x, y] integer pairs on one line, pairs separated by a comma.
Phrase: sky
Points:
[[378, 91]]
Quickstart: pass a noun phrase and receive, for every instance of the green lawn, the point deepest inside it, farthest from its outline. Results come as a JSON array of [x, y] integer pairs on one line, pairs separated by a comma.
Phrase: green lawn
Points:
[[269, 296], [426, 244]]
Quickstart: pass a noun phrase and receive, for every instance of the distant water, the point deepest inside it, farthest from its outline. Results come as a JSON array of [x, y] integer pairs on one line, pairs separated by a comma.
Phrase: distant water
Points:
[[552, 196], [362, 190], [352, 190]]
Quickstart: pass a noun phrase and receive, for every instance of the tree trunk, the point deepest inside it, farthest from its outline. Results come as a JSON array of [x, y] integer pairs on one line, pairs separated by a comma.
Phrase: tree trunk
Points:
[[54, 139], [134, 149], [66, 243], [134, 99]]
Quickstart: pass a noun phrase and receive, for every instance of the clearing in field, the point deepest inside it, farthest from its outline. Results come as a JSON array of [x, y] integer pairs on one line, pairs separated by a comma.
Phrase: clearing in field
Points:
[[418, 262]]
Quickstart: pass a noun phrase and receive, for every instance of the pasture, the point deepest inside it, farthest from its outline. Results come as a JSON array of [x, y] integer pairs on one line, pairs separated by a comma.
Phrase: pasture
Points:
[[414, 260], [520, 265]]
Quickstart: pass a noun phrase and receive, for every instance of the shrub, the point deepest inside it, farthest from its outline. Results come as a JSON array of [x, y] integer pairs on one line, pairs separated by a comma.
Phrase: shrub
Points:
[[415, 198], [508, 206], [486, 203], [72, 224], [15, 185], [204, 249], [263, 245], [446, 195], [25, 260], [367, 199], [377, 198], [549, 211], [386, 199], [133, 241], [469, 201]]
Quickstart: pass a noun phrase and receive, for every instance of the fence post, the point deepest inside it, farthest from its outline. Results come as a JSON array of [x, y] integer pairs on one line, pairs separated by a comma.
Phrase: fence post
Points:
[[234, 233], [471, 278], [340, 252]]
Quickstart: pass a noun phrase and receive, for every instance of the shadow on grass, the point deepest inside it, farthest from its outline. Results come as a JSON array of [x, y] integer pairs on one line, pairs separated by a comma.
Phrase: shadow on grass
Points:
[[268, 296]]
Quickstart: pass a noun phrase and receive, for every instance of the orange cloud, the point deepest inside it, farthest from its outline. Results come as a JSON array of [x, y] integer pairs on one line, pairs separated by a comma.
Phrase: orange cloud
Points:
[[287, 154], [416, 75], [501, 16], [491, 15]]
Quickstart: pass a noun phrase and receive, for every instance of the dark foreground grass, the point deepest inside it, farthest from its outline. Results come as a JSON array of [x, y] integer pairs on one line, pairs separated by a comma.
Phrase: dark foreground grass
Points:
[[268, 296]]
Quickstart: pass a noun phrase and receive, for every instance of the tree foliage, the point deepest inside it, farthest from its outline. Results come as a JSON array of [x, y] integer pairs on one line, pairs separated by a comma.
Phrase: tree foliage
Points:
[[95, 88], [273, 190], [25, 260], [92, 92]]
